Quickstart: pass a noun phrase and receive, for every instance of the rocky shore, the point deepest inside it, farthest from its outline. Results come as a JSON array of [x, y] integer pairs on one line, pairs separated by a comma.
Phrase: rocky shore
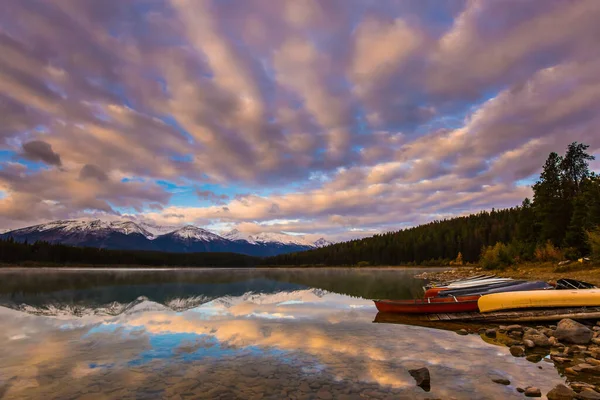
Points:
[[573, 348]]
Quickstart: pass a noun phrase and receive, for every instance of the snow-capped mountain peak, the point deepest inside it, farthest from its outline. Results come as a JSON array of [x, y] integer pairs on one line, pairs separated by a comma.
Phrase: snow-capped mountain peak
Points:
[[87, 226], [322, 242], [193, 232], [127, 234], [236, 235], [157, 230], [275, 237]]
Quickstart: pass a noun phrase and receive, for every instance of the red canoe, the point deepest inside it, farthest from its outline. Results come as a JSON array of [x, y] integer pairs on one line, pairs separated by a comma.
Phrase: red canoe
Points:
[[433, 292], [430, 305]]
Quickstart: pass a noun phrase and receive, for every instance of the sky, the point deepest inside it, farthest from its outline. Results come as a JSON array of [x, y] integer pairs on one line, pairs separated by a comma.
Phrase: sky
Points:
[[334, 118]]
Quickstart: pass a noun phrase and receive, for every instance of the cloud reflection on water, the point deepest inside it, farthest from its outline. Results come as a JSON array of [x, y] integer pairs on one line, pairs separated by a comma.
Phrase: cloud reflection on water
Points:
[[306, 334]]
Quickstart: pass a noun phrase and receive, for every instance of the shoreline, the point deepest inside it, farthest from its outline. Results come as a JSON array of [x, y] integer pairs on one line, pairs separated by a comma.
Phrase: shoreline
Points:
[[550, 271]]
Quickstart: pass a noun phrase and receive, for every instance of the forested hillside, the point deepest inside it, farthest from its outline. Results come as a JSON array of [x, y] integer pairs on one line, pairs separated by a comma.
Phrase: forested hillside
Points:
[[42, 253], [561, 221]]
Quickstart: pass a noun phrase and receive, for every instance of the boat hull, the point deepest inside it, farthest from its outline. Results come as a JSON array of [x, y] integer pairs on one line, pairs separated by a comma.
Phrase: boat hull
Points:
[[433, 306], [514, 286], [539, 299], [469, 290]]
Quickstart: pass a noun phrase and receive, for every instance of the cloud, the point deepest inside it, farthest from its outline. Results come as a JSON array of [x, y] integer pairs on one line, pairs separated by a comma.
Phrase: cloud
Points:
[[90, 171], [212, 196], [336, 118], [38, 150]]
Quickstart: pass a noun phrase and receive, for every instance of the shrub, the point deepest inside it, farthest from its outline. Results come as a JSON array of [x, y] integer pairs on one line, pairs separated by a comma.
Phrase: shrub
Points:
[[571, 253], [594, 242], [548, 252], [459, 260], [498, 256]]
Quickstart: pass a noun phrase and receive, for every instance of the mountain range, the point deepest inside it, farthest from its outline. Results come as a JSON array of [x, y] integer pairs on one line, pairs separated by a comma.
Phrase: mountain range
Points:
[[131, 235]]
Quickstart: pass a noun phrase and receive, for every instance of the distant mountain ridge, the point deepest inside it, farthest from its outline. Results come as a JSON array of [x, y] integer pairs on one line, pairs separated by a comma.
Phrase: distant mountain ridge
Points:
[[130, 235]]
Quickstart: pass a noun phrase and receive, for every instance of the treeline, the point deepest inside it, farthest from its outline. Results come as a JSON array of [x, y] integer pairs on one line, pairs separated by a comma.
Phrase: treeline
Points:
[[42, 253], [436, 243], [560, 221]]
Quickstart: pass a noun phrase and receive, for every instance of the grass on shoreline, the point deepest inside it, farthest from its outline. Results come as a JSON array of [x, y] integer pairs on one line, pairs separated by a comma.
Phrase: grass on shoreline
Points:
[[550, 271]]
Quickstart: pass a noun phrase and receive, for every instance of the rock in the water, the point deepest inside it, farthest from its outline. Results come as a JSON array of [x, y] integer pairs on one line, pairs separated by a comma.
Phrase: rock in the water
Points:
[[573, 332], [528, 343], [422, 378], [579, 386], [538, 339], [520, 390], [517, 351], [561, 392], [491, 333], [512, 328], [560, 360], [533, 392], [587, 368], [592, 361], [571, 371], [534, 358], [500, 380], [588, 394], [462, 332], [575, 349]]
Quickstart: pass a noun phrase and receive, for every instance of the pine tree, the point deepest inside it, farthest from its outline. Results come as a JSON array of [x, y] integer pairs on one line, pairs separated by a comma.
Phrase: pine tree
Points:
[[548, 202], [575, 169]]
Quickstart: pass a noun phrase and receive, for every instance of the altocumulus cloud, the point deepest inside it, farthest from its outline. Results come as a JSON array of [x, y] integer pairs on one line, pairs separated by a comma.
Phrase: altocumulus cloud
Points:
[[406, 111]]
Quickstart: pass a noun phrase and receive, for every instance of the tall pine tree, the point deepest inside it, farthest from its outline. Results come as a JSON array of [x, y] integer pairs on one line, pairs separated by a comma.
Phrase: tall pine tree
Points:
[[548, 202]]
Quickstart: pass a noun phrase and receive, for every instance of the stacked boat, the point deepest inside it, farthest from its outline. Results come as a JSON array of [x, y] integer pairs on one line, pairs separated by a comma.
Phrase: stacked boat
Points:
[[487, 293]]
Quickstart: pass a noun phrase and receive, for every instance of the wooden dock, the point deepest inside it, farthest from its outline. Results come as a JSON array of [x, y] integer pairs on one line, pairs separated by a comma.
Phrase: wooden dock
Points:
[[522, 315]]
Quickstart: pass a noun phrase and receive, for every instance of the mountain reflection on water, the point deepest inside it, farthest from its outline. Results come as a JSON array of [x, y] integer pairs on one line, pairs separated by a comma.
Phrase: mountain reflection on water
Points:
[[277, 334]]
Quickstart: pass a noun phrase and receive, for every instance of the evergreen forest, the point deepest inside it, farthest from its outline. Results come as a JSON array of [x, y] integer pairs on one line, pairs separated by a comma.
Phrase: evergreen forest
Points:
[[42, 253]]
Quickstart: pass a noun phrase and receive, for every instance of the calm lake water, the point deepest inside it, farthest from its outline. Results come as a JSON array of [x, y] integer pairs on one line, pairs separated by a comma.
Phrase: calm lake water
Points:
[[247, 334]]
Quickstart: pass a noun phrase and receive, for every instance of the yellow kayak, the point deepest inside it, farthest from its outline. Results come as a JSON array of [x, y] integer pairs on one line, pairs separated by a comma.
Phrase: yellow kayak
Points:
[[539, 299]]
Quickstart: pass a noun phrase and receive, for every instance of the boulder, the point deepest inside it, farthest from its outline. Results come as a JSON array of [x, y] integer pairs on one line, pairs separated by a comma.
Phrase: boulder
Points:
[[561, 392], [533, 392], [512, 328], [534, 358], [571, 371], [517, 351], [548, 332], [575, 349], [500, 380], [573, 332], [324, 394], [422, 378], [588, 394], [515, 334], [528, 343], [579, 386], [538, 339], [520, 390], [592, 361], [560, 360], [462, 332], [587, 368], [596, 340]]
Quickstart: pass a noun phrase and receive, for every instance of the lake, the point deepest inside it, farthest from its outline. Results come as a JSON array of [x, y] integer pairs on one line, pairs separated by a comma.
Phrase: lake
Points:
[[236, 333]]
